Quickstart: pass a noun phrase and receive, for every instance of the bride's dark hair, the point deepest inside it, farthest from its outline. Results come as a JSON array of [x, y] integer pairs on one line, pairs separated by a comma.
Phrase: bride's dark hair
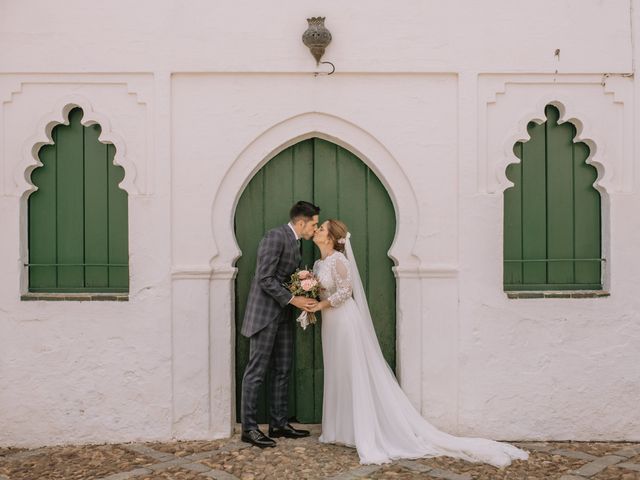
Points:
[[338, 233]]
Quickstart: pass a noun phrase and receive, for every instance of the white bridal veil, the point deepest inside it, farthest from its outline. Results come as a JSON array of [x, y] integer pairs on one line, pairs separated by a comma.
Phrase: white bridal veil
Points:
[[386, 424]]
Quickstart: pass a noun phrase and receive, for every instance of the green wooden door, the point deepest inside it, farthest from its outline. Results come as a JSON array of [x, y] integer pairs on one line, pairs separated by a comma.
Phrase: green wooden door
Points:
[[345, 188]]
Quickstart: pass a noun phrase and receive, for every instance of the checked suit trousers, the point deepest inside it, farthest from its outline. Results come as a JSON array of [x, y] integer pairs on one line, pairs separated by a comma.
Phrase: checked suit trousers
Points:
[[269, 349]]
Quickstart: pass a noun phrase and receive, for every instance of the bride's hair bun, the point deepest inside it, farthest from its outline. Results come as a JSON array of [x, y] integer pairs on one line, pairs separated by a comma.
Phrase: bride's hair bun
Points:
[[338, 232]]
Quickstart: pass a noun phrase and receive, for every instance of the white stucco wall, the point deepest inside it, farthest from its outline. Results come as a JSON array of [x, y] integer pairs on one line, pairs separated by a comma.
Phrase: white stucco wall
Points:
[[432, 95]]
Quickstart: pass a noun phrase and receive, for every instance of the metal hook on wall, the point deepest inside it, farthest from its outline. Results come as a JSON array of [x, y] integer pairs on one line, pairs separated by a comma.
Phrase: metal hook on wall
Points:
[[333, 69]]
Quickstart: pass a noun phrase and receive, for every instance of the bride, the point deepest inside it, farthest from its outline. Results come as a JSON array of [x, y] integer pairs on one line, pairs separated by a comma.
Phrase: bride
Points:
[[363, 405]]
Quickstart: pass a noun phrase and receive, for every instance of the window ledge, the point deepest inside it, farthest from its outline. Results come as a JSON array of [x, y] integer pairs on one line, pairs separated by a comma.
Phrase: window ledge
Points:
[[76, 297], [558, 294]]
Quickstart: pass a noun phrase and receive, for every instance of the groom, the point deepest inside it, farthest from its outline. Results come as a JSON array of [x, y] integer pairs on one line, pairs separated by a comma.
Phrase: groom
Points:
[[269, 328]]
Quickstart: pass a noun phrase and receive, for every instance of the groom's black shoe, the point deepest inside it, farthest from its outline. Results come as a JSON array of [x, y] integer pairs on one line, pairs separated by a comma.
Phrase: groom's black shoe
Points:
[[257, 438], [287, 431]]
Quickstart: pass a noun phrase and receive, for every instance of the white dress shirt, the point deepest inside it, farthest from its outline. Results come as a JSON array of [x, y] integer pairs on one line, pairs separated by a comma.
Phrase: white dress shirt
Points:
[[293, 230], [297, 238]]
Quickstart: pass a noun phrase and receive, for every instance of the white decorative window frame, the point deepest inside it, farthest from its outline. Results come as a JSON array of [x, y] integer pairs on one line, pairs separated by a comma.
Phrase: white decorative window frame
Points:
[[39, 102], [601, 108]]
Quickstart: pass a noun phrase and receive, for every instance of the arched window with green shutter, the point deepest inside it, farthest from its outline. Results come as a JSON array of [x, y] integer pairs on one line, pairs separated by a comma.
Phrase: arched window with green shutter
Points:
[[552, 214], [78, 226]]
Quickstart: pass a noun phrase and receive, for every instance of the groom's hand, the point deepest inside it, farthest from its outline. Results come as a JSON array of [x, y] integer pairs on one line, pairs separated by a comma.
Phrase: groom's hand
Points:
[[303, 303]]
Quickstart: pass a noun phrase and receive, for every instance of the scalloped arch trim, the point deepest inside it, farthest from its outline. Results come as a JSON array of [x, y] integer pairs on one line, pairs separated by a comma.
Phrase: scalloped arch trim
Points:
[[583, 134], [60, 116]]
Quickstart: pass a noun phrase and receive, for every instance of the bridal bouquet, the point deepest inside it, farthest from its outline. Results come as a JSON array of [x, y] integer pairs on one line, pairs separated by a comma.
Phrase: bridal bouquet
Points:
[[304, 283]]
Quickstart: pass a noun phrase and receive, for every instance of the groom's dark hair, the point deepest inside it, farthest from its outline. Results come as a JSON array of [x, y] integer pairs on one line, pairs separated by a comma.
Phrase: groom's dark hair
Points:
[[303, 209]]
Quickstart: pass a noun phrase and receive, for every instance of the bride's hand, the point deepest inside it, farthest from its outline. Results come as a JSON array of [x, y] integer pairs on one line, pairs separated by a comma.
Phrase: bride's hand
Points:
[[320, 306]]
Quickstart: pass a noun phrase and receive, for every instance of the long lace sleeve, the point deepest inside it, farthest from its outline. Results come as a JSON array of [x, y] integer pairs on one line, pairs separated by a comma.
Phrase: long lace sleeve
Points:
[[342, 278]]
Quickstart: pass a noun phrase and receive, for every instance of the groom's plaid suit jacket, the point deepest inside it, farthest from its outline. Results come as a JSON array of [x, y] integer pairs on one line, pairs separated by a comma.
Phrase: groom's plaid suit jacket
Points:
[[278, 258]]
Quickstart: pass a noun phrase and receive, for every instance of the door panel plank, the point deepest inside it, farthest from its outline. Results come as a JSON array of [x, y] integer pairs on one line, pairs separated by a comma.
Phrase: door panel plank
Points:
[[560, 205], [42, 221], [70, 189], [587, 221], [534, 206], [96, 213], [513, 222], [118, 226], [380, 235], [303, 394], [249, 228]]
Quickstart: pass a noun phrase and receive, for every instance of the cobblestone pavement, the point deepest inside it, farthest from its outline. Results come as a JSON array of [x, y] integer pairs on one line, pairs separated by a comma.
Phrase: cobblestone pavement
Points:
[[306, 458]]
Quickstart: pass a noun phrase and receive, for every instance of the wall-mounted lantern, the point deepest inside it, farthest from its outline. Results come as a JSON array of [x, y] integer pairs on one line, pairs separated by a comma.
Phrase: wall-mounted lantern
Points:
[[316, 37]]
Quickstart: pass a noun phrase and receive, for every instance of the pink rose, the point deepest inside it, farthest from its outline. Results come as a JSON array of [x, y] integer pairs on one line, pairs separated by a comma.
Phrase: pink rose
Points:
[[302, 274], [308, 284]]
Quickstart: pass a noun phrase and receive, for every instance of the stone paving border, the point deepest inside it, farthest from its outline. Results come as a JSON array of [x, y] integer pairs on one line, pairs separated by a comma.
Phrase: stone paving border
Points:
[[169, 460], [359, 472], [411, 465], [447, 475], [130, 474], [630, 466], [598, 464], [595, 465]]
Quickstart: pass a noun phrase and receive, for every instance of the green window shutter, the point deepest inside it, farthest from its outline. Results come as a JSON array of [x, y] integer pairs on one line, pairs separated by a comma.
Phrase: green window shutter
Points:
[[552, 215], [78, 219]]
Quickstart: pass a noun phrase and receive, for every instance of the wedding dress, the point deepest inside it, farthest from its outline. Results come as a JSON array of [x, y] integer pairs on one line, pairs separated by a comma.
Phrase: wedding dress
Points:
[[363, 405]]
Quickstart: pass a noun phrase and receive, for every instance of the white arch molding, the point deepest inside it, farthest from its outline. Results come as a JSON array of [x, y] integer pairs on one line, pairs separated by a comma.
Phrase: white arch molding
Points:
[[333, 129], [407, 261]]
